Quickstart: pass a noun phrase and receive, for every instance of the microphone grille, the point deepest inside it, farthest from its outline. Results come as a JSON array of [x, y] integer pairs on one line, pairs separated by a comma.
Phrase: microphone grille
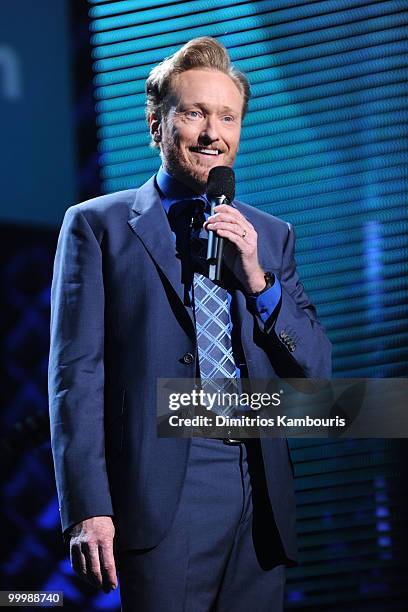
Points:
[[221, 181]]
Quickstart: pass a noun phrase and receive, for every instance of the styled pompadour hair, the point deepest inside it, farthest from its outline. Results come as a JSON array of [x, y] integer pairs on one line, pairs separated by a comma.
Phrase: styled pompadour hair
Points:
[[205, 53]]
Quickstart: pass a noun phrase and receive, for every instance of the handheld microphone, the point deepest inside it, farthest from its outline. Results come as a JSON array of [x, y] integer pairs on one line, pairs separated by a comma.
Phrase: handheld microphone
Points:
[[220, 190]]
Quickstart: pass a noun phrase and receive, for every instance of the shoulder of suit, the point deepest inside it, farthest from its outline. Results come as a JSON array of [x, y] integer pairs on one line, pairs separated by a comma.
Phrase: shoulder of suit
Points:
[[105, 203], [254, 215], [103, 213]]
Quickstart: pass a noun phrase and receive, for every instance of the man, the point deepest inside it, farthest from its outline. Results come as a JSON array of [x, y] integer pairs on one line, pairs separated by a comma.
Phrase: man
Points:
[[198, 524]]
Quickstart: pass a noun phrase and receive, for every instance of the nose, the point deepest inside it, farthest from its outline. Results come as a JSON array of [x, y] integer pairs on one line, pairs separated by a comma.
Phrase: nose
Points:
[[209, 133]]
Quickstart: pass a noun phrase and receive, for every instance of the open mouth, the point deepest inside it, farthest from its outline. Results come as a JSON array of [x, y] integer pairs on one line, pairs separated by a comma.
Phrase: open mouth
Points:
[[205, 151]]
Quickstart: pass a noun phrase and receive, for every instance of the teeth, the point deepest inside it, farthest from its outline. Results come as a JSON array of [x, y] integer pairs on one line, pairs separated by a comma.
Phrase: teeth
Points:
[[208, 151]]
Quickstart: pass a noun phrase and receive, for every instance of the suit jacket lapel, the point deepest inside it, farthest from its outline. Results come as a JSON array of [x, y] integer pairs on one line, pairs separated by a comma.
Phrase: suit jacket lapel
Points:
[[152, 227]]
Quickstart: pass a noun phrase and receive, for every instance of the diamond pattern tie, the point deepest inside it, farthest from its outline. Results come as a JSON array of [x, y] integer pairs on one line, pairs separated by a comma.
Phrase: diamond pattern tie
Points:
[[213, 326], [213, 329]]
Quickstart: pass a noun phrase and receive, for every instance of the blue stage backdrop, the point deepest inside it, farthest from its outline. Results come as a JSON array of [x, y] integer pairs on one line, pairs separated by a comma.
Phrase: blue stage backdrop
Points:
[[37, 153], [324, 147]]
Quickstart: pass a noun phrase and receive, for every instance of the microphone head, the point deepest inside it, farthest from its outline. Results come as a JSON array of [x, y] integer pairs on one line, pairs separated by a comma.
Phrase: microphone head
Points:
[[221, 181]]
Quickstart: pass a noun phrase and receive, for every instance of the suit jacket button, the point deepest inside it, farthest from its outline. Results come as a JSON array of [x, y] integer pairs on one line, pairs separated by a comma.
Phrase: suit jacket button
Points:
[[188, 358]]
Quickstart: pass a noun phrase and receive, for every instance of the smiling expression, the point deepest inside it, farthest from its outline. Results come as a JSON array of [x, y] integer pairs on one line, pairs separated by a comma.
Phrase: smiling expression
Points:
[[201, 126]]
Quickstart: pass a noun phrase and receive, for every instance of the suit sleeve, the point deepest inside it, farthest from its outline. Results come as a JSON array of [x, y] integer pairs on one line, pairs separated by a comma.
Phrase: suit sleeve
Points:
[[76, 373], [303, 347]]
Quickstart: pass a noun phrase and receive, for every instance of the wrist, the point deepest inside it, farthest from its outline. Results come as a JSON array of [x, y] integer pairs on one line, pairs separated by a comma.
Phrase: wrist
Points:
[[266, 283]]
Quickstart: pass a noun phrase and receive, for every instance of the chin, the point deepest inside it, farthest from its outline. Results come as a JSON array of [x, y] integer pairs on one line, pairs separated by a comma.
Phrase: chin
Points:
[[200, 173], [199, 180], [196, 176]]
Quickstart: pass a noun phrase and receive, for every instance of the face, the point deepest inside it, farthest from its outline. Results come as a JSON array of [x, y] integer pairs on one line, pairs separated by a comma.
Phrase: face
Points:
[[202, 126]]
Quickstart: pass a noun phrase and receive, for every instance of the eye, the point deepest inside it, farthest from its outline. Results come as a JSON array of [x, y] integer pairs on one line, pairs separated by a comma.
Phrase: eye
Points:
[[193, 114], [228, 118]]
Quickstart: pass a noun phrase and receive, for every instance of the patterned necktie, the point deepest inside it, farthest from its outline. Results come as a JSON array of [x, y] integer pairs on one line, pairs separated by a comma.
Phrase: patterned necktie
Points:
[[211, 310]]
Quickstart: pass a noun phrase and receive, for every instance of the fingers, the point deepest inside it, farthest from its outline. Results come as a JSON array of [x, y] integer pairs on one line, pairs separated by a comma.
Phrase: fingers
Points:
[[227, 226], [231, 235], [91, 552], [93, 568], [108, 567], [228, 213], [78, 561], [95, 564], [228, 221]]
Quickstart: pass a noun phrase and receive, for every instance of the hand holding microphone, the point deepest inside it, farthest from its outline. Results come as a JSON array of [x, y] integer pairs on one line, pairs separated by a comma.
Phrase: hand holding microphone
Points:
[[220, 190], [228, 222]]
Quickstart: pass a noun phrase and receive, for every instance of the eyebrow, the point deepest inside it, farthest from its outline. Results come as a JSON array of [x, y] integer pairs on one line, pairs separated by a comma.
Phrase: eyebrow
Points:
[[227, 109]]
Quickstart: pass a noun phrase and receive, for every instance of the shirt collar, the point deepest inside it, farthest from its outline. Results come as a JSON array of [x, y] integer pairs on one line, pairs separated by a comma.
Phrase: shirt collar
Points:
[[173, 191]]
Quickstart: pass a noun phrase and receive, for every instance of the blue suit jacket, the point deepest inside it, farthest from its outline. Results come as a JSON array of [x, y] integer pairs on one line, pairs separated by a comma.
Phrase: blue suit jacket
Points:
[[118, 323]]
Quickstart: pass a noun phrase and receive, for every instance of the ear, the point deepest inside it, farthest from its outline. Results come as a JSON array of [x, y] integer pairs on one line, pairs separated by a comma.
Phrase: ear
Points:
[[155, 127]]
